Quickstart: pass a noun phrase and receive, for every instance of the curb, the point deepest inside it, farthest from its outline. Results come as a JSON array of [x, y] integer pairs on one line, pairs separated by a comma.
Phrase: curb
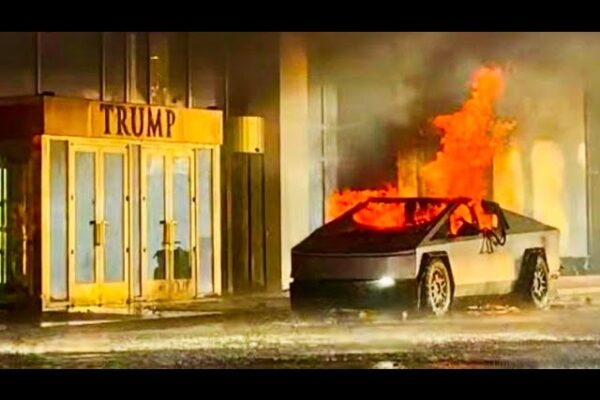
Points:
[[578, 285], [578, 291]]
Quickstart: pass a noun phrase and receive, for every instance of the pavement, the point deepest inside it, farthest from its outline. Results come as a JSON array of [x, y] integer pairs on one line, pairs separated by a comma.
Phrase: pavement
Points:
[[484, 336], [569, 290], [260, 332], [578, 285]]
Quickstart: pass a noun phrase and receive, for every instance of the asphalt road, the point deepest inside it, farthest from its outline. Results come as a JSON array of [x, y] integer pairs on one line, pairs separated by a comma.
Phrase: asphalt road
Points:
[[566, 336]]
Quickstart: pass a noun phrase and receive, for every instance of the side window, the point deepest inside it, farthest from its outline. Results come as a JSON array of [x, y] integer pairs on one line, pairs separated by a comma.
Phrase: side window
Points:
[[443, 232], [460, 224], [489, 217]]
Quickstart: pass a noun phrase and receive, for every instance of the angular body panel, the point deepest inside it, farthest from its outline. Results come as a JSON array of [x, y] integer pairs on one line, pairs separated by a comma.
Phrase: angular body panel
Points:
[[345, 252], [367, 267]]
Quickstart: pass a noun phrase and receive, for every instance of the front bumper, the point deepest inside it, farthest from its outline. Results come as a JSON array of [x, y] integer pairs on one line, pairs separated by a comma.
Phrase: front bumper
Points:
[[361, 294]]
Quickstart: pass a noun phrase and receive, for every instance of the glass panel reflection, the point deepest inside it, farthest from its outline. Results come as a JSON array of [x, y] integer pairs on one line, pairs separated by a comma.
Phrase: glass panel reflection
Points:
[[58, 219], [113, 216], [156, 260], [85, 198], [182, 216], [204, 173]]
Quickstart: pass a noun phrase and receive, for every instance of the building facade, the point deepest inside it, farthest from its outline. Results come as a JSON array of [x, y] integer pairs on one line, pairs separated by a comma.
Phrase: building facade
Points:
[[167, 166], [125, 177]]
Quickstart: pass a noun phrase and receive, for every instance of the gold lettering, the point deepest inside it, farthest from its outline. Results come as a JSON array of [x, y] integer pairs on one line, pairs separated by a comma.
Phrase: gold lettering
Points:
[[107, 109], [154, 126], [121, 121], [134, 125], [170, 121]]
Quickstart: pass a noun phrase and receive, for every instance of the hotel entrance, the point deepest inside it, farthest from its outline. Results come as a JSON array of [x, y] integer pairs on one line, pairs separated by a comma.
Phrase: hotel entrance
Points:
[[109, 204]]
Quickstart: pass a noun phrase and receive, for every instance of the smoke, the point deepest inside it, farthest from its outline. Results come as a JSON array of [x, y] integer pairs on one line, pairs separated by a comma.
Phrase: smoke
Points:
[[435, 67], [390, 85]]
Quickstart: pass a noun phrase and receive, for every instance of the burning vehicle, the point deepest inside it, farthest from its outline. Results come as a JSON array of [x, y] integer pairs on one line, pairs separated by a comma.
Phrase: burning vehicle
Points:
[[425, 251], [384, 248]]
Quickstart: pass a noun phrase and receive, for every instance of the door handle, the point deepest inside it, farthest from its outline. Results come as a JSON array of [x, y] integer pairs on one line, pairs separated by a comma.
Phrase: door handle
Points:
[[99, 232], [166, 238], [168, 232]]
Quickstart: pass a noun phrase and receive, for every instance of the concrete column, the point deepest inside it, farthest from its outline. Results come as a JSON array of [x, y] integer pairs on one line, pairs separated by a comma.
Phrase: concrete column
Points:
[[294, 147], [593, 170], [329, 119]]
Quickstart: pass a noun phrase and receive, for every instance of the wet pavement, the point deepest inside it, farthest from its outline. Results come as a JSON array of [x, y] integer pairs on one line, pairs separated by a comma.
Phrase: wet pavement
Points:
[[270, 336]]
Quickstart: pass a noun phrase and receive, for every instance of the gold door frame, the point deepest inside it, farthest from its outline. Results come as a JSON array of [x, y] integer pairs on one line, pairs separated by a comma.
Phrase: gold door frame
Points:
[[112, 143], [117, 292], [168, 288], [183, 288], [99, 292]]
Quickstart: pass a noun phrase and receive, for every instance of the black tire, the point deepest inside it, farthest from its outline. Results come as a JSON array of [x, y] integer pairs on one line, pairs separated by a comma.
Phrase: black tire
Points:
[[537, 291], [436, 288]]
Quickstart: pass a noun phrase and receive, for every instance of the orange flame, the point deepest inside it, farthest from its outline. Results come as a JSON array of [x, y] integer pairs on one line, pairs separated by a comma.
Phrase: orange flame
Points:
[[470, 138], [378, 215], [341, 201]]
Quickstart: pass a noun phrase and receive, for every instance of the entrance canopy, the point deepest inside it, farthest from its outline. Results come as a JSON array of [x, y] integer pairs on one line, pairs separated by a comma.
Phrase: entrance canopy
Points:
[[49, 115]]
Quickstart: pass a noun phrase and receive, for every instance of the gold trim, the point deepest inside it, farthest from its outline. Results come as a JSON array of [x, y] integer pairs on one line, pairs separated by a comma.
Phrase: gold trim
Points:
[[99, 291], [121, 292], [169, 288], [45, 216], [139, 123]]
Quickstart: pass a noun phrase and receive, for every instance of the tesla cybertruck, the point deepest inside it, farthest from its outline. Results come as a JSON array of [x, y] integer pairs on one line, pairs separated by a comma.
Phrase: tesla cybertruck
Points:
[[425, 252]]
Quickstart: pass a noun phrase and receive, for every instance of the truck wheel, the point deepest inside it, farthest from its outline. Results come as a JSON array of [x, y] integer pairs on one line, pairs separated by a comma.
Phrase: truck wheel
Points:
[[538, 287], [436, 288]]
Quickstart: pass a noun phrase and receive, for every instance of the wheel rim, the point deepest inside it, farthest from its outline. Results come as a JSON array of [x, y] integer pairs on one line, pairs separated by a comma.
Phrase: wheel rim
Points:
[[539, 286], [439, 291]]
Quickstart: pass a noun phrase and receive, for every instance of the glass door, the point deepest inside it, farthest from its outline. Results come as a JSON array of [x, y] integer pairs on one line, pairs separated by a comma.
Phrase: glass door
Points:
[[98, 228], [181, 222], [114, 216], [167, 224]]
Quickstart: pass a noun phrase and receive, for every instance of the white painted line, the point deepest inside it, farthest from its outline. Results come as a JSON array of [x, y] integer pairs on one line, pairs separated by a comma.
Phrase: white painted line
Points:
[[50, 324], [180, 314], [158, 315]]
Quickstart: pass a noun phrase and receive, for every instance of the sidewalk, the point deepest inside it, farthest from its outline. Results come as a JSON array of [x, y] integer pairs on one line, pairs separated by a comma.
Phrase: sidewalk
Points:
[[568, 290], [150, 311], [580, 285]]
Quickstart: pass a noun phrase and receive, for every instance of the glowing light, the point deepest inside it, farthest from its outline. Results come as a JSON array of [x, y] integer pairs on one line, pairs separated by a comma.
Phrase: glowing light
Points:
[[386, 282]]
